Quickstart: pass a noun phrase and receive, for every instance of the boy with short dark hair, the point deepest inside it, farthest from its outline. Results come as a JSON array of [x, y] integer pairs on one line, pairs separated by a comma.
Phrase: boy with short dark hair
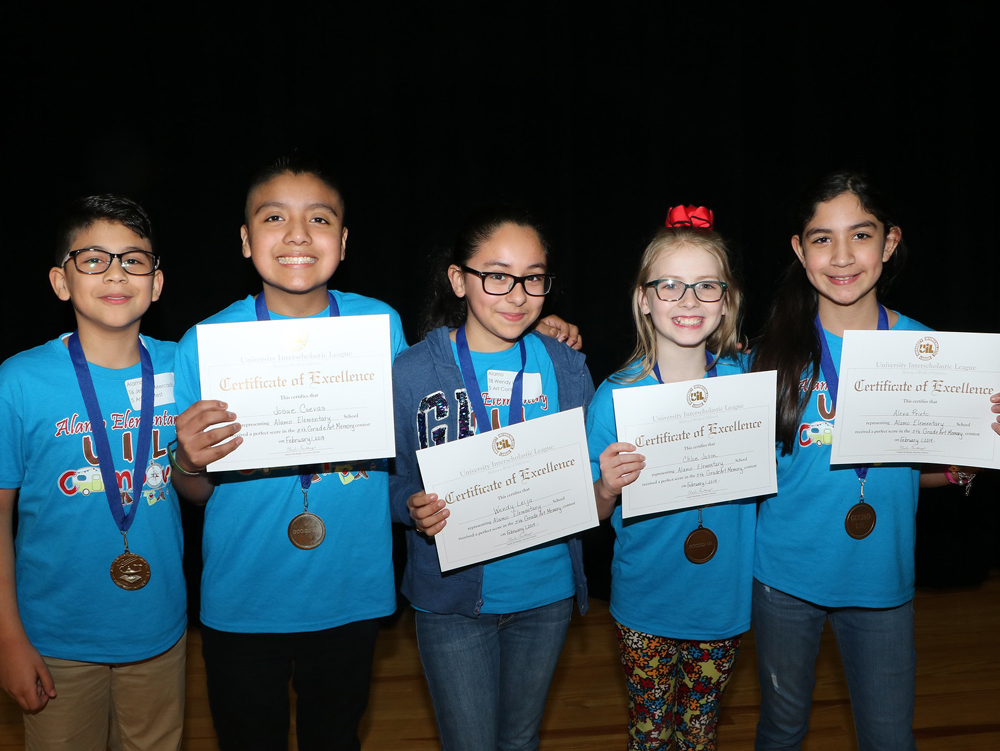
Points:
[[272, 612], [92, 601]]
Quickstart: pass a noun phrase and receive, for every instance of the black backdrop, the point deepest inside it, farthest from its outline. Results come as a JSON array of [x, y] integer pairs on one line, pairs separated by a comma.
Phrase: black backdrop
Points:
[[596, 120]]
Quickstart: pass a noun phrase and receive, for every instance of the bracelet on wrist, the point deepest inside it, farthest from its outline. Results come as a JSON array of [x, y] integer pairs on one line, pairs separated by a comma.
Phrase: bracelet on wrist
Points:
[[957, 477], [176, 465]]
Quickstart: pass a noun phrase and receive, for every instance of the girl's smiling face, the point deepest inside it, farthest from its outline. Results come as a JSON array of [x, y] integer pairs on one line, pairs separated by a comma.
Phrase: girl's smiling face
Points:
[[687, 322], [495, 322], [842, 249]]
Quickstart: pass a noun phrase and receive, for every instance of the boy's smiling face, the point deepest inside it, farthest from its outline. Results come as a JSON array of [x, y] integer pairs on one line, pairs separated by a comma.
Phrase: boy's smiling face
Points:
[[113, 301], [296, 238]]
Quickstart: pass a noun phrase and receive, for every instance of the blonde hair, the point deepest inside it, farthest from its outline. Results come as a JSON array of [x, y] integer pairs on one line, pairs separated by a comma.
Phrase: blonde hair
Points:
[[723, 340]]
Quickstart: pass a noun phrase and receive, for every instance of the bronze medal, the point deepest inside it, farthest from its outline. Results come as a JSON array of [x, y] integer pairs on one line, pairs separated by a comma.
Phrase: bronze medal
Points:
[[306, 531], [860, 520], [130, 571], [700, 545]]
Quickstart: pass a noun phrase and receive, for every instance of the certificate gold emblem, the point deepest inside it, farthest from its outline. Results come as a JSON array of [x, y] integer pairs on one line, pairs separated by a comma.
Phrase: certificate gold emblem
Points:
[[503, 444]]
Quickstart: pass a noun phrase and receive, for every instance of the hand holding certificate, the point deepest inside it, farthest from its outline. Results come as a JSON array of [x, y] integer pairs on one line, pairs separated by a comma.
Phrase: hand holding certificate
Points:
[[705, 441], [511, 489], [917, 396], [305, 390]]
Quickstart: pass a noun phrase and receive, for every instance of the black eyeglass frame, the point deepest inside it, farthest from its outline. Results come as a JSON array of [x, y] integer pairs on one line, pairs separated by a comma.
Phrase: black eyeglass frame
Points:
[[71, 256], [515, 280], [692, 287]]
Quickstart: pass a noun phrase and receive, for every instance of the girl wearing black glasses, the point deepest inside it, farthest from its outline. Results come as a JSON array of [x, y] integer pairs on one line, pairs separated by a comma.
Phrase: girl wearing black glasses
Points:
[[490, 634]]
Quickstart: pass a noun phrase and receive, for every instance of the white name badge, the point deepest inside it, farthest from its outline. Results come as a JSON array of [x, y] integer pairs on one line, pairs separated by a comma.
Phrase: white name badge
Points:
[[163, 384]]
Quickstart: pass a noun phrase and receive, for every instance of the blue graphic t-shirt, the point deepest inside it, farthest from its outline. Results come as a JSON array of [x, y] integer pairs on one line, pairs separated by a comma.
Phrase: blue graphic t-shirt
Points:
[[802, 546], [542, 575], [254, 579], [655, 589], [67, 536]]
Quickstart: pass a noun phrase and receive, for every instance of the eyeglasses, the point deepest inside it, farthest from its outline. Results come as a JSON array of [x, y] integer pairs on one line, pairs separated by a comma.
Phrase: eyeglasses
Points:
[[672, 290], [97, 261], [495, 283]]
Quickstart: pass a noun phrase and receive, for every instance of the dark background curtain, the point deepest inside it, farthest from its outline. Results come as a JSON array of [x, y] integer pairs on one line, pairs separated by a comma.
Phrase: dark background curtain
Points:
[[598, 122]]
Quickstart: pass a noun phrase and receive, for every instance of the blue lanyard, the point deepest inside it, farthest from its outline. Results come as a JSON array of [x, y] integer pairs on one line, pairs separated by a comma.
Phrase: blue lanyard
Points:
[[475, 393], [99, 431], [712, 371], [832, 377], [260, 305]]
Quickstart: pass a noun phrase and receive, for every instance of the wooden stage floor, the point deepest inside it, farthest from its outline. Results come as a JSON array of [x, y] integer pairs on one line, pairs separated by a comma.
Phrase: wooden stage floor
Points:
[[958, 687]]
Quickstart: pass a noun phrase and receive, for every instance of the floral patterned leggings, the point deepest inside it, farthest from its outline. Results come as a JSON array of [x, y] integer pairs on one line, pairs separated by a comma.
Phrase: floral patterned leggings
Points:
[[674, 687]]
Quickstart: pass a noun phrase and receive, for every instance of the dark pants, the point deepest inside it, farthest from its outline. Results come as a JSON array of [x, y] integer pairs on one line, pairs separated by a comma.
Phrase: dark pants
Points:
[[248, 678]]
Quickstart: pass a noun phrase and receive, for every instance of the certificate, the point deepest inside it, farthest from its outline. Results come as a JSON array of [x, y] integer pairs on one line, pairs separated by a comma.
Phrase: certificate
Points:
[[917, 396], [512, 488], [304, 390], [705, 441]]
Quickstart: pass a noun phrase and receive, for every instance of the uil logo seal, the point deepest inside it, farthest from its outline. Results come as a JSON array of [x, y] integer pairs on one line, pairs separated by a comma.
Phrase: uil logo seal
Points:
[[697, 395], [926, 348], [503, 444], [297, 341]]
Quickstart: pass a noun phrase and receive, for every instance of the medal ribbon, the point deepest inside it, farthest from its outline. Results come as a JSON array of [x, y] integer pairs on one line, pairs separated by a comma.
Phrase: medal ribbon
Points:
[[100, 433], [260, 306], [829, 369], [712, 371], [476, 394]]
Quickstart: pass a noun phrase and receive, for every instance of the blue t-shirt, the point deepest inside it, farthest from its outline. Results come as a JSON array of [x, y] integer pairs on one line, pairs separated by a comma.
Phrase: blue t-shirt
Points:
[[654, 587], [67, 536], [254, 579], [542, 575], [802, 546]]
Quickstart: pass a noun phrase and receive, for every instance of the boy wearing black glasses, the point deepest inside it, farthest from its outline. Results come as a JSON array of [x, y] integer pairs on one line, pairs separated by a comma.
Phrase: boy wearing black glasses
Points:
[[92, 601]]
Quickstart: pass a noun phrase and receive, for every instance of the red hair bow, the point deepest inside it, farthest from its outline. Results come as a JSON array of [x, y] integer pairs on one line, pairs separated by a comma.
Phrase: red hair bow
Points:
[[690, 216]]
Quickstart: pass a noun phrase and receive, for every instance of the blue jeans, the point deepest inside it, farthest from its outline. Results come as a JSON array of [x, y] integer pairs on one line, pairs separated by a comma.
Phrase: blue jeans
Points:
[[879, 658], [489, 676]]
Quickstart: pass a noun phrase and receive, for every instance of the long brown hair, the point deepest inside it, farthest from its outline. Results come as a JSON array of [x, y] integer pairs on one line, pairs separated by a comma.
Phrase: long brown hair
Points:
[[789, 343]]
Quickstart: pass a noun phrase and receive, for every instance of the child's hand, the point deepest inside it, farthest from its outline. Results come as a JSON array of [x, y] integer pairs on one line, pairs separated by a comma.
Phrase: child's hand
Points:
[[197, 448], [618, 469], [24, 675], [996, 408], [557, 328], [428, 513]]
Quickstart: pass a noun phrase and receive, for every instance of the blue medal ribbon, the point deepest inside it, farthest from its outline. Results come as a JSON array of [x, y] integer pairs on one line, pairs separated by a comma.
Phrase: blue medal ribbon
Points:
[[475, 393], [100, 433], [829, 369], [260, 306], [712, 364], [712, 371]]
